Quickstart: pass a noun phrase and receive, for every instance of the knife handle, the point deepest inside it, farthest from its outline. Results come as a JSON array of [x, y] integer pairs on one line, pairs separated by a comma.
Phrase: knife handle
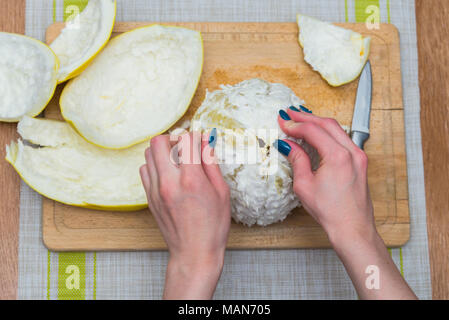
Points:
[[359, 138]]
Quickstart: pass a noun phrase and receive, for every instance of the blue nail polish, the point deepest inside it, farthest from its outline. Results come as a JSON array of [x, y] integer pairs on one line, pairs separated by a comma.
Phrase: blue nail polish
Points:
[[283, 147], [284, 115], [213, 138], [294, 109], [305, 109]]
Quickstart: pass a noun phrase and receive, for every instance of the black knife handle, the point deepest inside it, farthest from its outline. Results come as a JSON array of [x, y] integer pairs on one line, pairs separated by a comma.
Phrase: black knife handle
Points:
[[359, 138]]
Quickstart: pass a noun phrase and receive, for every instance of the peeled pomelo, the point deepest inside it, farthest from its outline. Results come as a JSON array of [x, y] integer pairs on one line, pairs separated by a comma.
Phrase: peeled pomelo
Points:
[[83, 37], [56, 162], [338, 54], [259, 177], [28, 71], [137, 87]]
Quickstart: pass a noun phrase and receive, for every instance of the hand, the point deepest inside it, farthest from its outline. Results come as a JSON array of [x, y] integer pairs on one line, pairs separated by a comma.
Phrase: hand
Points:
[[337, 194], [338, 198], [191, 205]]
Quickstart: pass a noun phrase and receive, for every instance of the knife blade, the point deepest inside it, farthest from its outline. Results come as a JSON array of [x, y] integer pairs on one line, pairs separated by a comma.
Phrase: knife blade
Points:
[[362, 109]]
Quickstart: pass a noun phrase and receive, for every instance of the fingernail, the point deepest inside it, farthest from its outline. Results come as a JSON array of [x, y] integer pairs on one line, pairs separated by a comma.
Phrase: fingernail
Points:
[[212, 138], [284, 115], [305, 109], [294, 109], [283, 147]]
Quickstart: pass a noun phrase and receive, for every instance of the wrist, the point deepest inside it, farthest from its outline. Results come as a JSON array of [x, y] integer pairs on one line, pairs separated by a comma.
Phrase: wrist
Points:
[[190, 277], [358, 252], [192, 265], [342, 239]]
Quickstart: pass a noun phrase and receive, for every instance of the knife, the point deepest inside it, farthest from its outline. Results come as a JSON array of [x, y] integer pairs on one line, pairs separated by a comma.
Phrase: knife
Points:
[[362, 109]]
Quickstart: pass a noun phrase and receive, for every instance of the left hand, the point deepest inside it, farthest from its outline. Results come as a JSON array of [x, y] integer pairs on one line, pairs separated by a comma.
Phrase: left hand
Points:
[[191, 205]]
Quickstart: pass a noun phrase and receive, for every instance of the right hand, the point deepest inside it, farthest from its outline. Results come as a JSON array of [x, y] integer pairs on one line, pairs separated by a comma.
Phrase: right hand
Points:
[[336, 194]]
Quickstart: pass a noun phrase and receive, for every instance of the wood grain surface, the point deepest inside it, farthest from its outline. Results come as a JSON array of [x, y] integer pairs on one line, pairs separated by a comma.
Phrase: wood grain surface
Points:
[[12, 19], [235, 52], [433, 47]]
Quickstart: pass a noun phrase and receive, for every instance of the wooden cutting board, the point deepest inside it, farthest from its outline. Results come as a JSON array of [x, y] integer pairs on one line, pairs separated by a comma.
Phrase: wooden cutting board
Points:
[[237, 51]]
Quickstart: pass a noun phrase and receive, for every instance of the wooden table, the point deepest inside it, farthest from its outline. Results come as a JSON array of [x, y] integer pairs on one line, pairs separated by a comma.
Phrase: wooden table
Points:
[[433, 48]]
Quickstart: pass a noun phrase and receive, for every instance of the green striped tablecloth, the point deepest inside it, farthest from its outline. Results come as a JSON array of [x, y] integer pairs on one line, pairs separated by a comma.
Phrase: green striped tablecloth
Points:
[[281, 274]]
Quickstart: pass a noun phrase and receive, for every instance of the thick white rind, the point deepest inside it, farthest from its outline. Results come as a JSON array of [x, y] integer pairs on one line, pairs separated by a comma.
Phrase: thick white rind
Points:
[[136, 88], [332, 51], [72, 34], [37, 85], [68, 169]]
